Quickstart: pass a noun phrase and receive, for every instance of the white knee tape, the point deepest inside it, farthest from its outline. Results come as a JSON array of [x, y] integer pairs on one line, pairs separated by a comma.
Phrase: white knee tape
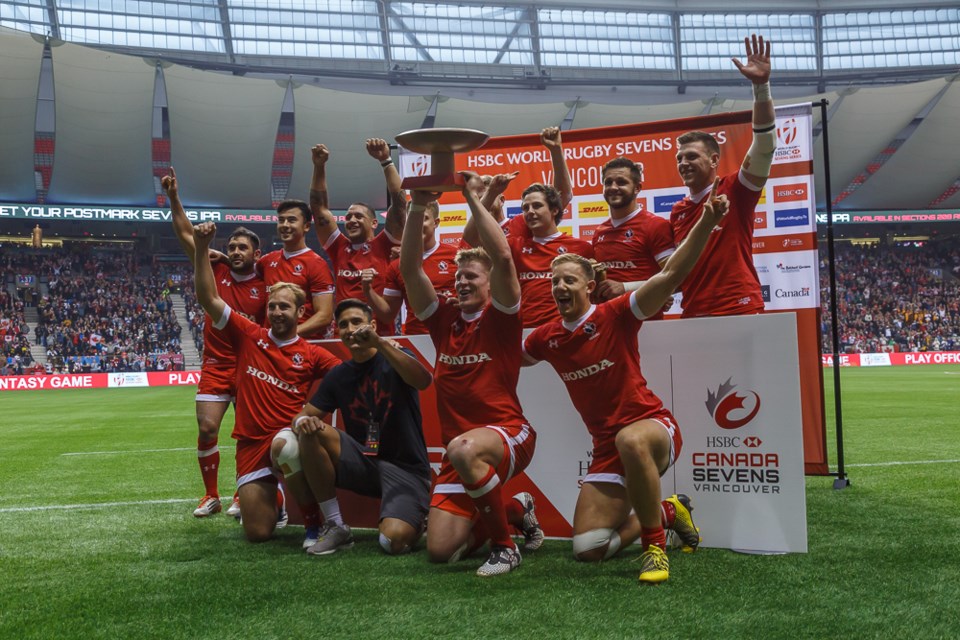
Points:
[[289, 457], [596, 539], [386, 543]]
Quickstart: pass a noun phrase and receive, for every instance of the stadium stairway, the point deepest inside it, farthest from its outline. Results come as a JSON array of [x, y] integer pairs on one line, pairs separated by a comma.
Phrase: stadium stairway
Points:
[[191, 357], [37, 351]]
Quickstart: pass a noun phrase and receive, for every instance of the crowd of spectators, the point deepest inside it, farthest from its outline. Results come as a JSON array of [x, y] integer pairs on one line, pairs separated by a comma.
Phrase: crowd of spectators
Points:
[[895, 297], [15, 357], [102, 310]]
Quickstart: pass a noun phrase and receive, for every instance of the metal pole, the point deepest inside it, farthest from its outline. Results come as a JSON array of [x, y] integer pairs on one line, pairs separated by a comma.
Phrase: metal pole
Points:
[[841, 481]]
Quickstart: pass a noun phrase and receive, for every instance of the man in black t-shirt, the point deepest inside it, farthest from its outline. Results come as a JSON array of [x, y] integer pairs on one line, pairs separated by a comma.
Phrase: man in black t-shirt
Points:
[[381, 451]]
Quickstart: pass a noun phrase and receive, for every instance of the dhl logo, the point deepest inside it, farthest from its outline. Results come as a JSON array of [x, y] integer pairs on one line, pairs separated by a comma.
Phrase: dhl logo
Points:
[[456, 218], [597, 209], [567, 230]]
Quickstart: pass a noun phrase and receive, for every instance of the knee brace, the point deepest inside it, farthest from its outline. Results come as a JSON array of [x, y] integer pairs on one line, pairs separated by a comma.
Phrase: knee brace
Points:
[[288, 458], [596, 539]]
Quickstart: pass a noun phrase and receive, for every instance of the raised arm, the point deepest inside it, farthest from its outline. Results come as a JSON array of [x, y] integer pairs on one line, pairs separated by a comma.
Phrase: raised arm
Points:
[[203, 280], [550, 138], [384, 307], [408, 367], [315, 325], [420, 291], [504, 284], [498, 184], [379, 150], [181, 224], [323, 221], [756, 164], [652, 295]]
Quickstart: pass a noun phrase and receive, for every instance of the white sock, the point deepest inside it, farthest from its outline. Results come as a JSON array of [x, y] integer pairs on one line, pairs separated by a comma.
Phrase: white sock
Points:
[[331, 512]]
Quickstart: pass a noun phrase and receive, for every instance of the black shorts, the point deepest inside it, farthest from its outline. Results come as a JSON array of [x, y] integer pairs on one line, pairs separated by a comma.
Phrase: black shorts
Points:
[[404, 495]]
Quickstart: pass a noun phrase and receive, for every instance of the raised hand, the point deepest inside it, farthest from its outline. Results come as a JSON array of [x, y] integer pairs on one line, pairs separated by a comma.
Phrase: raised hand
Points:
[[320, 154], [550, 138], [472, 183], [203, 233], [757, 67], [378, 149], [169, 183], [501, 181], [715, 206], [366, 278]]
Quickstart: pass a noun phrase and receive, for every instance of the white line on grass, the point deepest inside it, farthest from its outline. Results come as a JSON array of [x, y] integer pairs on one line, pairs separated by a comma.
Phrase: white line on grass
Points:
[[100, 505], [902, 462], [110, 453]]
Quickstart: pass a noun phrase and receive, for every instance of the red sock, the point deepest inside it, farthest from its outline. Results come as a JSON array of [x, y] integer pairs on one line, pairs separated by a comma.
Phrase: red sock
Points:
[[515, 512], [311, 514], [208, 455], [488, 498], [480, 537], [668, 514], [653, 536]]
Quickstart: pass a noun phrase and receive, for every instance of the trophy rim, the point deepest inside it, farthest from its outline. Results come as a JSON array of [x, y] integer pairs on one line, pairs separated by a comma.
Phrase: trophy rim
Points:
[[442, 140]]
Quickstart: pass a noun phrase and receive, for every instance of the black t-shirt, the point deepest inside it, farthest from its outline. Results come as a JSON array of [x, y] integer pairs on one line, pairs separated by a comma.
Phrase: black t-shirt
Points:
[[356, 387]]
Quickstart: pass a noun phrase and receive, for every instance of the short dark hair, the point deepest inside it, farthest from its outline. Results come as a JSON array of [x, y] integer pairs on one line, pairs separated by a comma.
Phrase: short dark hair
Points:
[[352, 303], [300, 206], [243, 232], [636, 171], [370, 210], [551, 195], [700, 136]]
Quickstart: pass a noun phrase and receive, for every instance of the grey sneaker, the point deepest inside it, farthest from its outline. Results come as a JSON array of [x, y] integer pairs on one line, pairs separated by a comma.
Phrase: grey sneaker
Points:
[[332, 538], [532, 533], [501, 560]]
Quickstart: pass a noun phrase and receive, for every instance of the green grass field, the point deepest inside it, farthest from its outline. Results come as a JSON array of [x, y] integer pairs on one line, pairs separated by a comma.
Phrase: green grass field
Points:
[[883, 561]]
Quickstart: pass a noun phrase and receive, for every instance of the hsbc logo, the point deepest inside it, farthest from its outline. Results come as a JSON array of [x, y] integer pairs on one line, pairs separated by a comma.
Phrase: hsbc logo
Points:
[[760, 220], [790, 192]]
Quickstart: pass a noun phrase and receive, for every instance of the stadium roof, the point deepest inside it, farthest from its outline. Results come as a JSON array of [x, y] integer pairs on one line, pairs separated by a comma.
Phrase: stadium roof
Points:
[[344, 70]]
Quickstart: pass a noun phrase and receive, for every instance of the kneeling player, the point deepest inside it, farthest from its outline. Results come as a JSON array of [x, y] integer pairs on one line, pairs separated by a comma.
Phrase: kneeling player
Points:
[[594, 349], [275, 368], [381, 451]]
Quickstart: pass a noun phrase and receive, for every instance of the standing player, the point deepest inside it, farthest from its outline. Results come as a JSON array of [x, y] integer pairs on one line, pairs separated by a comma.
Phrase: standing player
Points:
[[381, 451], [535, 240], [725, 281], [298, 264], [439, 263], [632, 244], [356, 248], [635, 439], [239, 286], [275, 368], [477, 369]]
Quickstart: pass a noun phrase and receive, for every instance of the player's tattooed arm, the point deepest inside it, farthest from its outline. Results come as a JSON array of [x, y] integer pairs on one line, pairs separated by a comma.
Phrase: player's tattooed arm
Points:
[[324, 222], [420, 292], [204, 281]]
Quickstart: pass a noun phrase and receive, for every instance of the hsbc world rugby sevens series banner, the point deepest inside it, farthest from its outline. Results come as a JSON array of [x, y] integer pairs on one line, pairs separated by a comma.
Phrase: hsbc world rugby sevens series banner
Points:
[[785, 242]]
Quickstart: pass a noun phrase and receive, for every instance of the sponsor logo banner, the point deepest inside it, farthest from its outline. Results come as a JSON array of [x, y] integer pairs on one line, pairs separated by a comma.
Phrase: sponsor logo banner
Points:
[[99, 380], [791, 217]]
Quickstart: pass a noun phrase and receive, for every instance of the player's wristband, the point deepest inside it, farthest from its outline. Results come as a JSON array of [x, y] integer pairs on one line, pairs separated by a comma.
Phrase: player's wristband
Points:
[[417, 208], [386, 163], [761, 92], [299, 420]]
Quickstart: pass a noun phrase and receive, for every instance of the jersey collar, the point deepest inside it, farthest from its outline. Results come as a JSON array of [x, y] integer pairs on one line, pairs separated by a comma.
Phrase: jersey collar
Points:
[[242, 278], [293, 254], [616, 223], [281, 343], [572, 326], [697, 197], [546, 239]]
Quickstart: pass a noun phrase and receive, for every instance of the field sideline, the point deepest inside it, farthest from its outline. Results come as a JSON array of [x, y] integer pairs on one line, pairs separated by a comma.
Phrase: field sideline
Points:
[[97, 541]]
